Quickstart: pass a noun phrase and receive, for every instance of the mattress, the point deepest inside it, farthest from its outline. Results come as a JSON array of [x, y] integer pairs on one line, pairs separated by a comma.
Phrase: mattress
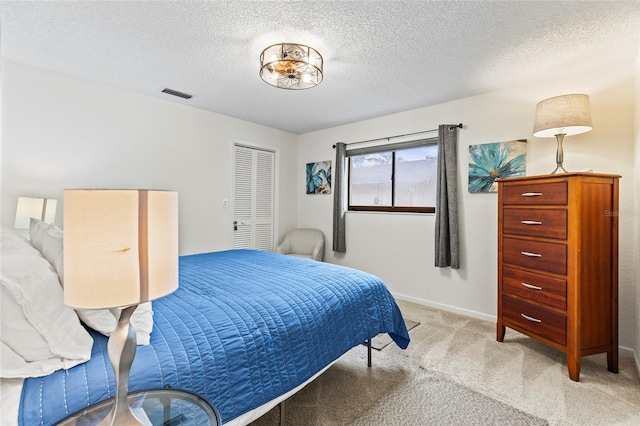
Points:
[[245, 328]]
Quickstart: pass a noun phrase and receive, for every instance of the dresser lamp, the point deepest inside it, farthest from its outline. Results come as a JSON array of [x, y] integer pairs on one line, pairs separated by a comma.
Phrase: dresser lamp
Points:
[[561, 116], [37, 208], [120, 250]]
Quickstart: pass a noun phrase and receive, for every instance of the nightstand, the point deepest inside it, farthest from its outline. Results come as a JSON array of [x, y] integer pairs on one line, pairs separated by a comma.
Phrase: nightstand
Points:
[[166, 407]]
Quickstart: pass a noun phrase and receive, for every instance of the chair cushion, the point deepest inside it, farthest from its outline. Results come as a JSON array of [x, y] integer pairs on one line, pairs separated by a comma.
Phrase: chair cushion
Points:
[[304, 242]]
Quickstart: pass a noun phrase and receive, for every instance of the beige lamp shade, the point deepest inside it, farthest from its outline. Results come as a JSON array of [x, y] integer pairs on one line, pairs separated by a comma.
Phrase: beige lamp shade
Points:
[[38, 208], [120, 246], [568, 114]]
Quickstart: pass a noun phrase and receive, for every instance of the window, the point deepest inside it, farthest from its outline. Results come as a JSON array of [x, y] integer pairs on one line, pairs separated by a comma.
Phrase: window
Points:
[[397, 177]]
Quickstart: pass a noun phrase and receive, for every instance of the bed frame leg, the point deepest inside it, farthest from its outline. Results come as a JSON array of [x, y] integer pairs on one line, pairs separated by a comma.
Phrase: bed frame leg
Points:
[[369, 353], [282, 417]]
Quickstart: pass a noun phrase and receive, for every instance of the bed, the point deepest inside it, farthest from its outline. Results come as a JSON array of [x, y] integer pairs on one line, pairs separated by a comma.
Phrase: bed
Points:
[[245, 329]]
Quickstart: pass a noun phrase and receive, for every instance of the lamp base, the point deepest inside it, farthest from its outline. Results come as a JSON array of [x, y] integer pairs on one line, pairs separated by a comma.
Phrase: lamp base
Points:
[[559, 155], [122, 350], [559, 169]]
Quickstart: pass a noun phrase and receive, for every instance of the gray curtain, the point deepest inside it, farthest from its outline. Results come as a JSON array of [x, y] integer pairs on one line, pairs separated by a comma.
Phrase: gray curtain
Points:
[[447, 244], [339, 205]]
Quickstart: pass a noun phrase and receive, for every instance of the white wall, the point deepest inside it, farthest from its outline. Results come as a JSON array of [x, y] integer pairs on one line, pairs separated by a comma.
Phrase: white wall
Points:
[[399, 247], [60, 132]]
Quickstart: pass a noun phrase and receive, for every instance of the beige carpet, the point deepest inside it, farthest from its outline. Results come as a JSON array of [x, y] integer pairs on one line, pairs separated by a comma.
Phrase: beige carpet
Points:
[[447, 350], [430, 398]]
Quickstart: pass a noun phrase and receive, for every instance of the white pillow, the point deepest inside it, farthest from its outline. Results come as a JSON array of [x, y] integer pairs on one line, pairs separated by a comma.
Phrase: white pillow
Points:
[[52, 250], [12, 241], [37, 228], [18, 332], [105, 320], [39, 333], [47, 239]]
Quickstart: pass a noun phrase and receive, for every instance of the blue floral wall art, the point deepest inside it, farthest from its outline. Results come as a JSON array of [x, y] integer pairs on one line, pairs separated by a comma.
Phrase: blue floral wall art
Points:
[[490, 161], [319, 177]]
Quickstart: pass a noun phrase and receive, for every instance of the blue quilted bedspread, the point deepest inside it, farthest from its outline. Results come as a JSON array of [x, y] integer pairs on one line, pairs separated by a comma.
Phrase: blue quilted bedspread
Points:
[[243, 328]]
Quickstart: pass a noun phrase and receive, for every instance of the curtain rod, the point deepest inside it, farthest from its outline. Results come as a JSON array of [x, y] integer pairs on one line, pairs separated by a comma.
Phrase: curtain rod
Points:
[[399, 136]]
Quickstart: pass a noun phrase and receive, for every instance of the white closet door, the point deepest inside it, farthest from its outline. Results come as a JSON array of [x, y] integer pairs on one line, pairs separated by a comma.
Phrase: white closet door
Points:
[[253, 198]]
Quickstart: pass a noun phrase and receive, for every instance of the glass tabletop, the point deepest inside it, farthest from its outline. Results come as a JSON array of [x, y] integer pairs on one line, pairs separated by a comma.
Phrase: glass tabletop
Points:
[[157, 407]]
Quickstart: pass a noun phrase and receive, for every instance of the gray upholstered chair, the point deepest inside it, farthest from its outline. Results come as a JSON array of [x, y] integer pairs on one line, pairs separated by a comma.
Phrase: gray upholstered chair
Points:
[[303, 242]]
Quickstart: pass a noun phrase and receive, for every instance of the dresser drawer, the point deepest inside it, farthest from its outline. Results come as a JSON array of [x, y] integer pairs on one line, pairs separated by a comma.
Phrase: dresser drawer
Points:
[[538, 288], [538, 320], [535, 193], [549, 257], [549, 223]]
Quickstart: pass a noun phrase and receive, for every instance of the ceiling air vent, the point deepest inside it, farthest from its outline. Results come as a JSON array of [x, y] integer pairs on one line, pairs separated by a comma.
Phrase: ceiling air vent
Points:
[[176, 93]]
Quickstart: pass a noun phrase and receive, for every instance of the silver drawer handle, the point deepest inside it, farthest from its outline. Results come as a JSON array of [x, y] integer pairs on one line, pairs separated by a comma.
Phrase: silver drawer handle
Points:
[[531, 194], [531, 222], [529, 254], [532, 287], [532, 319]]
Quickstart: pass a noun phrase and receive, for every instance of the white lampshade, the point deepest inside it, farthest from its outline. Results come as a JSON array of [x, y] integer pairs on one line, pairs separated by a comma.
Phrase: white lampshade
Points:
[[37, 208], [120, 246], [568, 114]]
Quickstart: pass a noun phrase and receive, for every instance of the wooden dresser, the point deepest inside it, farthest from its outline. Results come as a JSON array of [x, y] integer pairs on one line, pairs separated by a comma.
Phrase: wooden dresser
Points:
[[558, 263]]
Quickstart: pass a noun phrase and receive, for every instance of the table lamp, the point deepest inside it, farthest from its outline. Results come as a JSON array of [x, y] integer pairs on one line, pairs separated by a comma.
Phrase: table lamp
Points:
[[38, 208], [120, 250], [560, 116]]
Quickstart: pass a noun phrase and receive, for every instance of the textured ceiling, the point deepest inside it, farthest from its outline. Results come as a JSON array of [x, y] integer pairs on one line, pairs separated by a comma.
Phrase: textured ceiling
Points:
[[381, 57]]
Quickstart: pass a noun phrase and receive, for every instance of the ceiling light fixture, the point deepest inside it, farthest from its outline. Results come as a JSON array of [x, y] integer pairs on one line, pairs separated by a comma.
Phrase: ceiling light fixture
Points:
[[291, 66]]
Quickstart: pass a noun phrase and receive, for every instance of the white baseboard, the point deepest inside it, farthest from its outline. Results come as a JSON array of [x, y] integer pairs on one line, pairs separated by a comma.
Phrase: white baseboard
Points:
[[623, 350], [449, 308]]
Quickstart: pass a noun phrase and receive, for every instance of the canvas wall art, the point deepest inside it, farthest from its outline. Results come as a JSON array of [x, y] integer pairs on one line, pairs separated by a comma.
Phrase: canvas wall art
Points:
[[490, 161], [319, 177]]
